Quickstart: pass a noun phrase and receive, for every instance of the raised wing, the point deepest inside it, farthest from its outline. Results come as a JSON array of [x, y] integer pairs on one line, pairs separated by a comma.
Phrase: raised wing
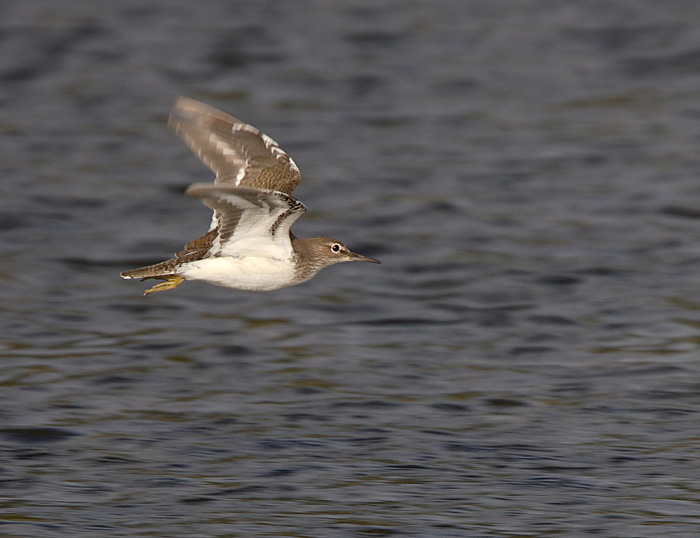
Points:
[[250, 222], [238, 153]]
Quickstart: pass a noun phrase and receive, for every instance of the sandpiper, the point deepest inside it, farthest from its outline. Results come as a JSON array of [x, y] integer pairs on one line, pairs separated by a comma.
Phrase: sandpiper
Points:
[[249, 245]]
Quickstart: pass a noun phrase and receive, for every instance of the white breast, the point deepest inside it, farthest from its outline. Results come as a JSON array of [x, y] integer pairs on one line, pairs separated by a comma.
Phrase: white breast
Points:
[[251, 273]]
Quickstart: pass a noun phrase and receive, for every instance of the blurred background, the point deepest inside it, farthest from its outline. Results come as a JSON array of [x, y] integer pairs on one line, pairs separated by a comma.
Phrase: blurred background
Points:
[[524, 362]]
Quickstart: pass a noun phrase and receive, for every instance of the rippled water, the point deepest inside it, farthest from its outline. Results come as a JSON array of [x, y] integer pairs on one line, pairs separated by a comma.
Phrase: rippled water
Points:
[[524, 362]]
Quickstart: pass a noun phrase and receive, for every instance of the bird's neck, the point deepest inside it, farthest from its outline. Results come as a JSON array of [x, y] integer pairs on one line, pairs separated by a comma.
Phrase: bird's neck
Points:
[[306, 257]]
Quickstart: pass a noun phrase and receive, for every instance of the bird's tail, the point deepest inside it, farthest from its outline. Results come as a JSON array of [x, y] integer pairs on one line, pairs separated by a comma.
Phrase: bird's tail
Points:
[[158, 270]]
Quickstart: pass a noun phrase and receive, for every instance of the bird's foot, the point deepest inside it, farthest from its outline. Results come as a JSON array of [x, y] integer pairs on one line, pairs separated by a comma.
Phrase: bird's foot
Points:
[[168, 283]]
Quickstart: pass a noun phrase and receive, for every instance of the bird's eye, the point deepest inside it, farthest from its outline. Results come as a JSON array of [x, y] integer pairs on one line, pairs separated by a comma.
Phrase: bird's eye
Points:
[[335, 247]]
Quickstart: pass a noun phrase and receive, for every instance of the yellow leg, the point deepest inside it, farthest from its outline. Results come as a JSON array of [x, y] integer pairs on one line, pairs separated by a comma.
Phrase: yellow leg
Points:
[[169, 282]]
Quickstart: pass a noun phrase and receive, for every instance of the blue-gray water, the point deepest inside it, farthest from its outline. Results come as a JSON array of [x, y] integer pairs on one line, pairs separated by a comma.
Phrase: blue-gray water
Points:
[[524, 363]]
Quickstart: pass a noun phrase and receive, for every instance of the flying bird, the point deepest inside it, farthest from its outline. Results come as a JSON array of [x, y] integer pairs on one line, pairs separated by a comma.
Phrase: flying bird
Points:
[[249, 245]]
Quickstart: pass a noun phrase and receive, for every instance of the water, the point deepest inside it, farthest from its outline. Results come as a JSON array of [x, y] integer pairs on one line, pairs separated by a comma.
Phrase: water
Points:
[[524, 362]]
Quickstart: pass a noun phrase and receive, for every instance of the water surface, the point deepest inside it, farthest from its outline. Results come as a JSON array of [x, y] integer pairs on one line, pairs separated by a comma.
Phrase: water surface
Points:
[[524, 362]]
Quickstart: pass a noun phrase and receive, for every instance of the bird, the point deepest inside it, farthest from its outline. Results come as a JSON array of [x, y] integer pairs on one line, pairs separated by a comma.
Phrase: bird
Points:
[[249, 245]]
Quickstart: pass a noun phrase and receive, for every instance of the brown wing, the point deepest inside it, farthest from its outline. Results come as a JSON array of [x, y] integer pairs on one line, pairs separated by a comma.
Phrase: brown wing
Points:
[[238, 153], [196, 250]]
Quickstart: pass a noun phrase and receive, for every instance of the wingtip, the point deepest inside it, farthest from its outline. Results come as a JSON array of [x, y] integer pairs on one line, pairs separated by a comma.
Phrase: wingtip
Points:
[[187, 102], [187, 110], [197, 189], [183, 108], [187, 107]]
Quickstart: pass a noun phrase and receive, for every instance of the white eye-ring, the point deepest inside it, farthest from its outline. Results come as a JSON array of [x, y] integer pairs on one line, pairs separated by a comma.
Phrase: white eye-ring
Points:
[[335, 247]]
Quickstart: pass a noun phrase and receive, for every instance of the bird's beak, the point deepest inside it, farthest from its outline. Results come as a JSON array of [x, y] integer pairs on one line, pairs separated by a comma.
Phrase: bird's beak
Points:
[[360, 258]]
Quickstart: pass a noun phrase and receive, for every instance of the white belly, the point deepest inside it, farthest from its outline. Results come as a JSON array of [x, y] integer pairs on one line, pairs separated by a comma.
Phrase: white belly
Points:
[[252, 273]]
